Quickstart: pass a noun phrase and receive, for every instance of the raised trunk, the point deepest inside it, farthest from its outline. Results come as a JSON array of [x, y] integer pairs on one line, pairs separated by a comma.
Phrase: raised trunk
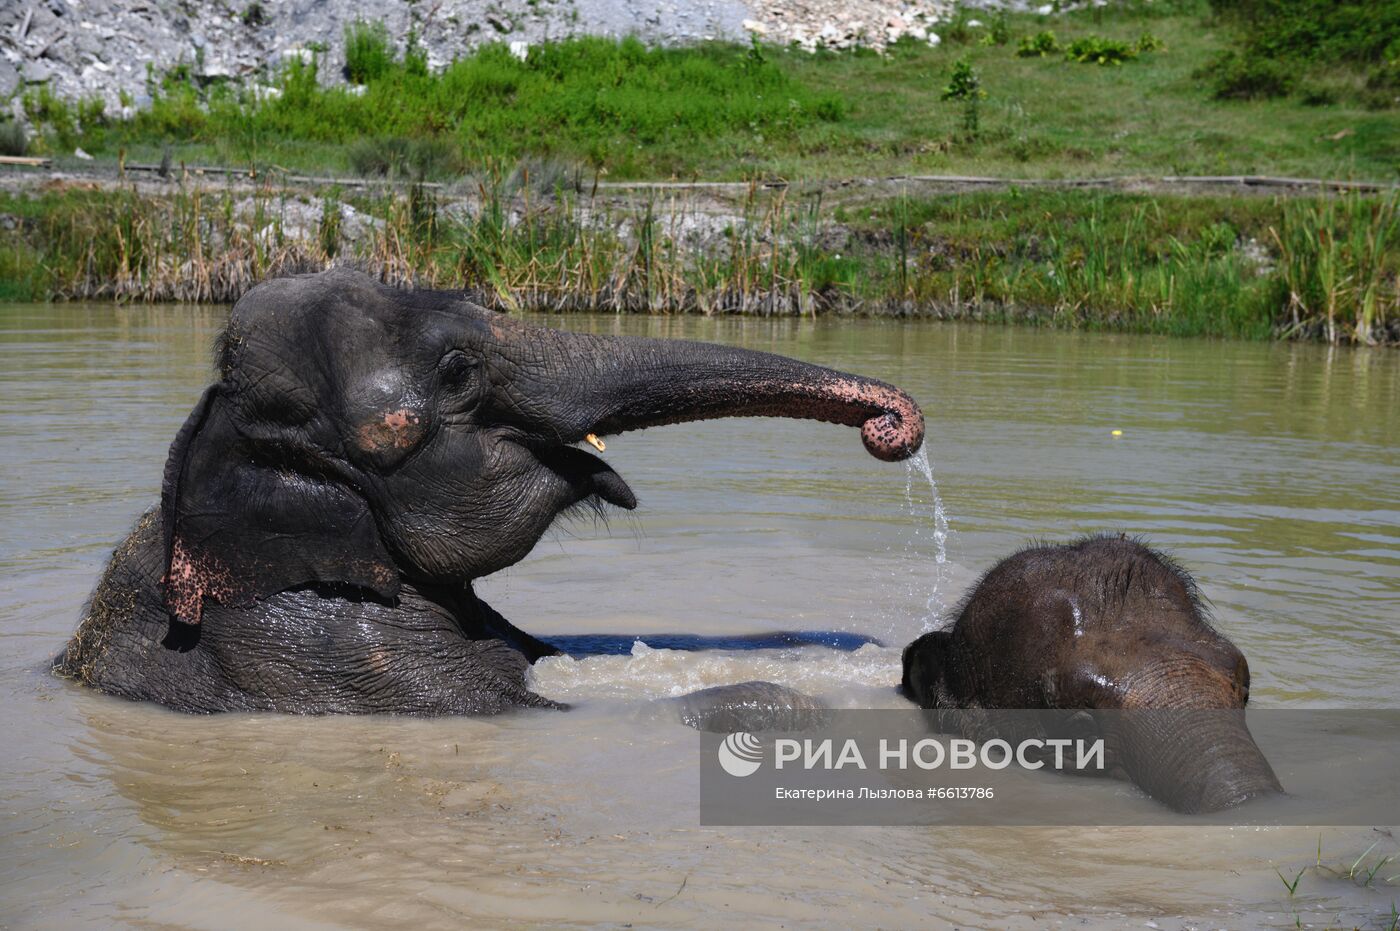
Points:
[[574, 385]]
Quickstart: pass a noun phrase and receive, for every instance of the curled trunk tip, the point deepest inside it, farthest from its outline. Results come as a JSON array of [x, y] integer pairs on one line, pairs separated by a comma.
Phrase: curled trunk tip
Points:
[[897, 432]]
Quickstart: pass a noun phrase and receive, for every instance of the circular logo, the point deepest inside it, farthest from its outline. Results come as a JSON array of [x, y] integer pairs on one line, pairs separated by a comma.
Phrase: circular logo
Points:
[[741, 754]]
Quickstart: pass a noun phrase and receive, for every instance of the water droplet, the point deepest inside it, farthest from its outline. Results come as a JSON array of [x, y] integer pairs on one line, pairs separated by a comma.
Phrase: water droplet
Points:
[[936, 516]]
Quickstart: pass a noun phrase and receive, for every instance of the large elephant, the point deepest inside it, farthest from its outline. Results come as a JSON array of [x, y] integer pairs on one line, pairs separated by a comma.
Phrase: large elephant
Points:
[[1104, 624], [365, 454]]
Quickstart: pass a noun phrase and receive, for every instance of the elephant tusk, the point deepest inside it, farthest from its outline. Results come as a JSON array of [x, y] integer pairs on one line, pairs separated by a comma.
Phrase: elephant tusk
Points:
[[596, 443]]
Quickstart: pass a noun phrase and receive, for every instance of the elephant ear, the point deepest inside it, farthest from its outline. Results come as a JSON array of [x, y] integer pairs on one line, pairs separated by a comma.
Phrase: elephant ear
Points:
[[238, 528], [924, 664]]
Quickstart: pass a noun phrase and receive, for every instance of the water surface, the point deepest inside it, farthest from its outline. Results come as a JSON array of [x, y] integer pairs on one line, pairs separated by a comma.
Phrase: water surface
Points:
[[1271, 471]]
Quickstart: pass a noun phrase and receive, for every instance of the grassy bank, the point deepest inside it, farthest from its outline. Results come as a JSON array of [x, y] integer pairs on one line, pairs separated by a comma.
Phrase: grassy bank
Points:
[[1212, 266], [1155, 106]]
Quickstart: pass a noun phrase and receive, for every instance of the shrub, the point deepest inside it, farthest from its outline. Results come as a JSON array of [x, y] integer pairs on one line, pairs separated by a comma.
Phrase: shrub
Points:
[[1040, 45], [92, 112], [964, 83], [368, 52], [1326, 31], [958, 32], [51, 113], [1236, 76], [1386, 75], [13, 139], [999, 33], [1147, 42], [1096, 50], [1279, 41]]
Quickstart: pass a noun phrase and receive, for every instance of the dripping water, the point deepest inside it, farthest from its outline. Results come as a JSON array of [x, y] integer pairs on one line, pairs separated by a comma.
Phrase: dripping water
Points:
[[930, 523]]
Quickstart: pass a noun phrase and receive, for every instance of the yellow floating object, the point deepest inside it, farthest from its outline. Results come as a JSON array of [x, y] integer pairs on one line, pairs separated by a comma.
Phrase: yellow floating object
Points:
[[1117, 432], [596, 443]]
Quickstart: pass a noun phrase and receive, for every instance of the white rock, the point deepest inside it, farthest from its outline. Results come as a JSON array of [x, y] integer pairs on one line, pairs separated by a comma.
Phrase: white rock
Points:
[[974, 24], [79, 153], [754, 26], [934, 39], [215, 71], [520, 49]]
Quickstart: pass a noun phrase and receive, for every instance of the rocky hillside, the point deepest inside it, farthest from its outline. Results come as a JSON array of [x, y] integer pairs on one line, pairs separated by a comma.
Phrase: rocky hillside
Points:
[[107, 48]]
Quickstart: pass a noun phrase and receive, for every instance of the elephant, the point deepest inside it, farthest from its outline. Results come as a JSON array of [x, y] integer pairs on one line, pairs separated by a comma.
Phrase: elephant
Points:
[[751, 706], [364, 454], [1115, 635]]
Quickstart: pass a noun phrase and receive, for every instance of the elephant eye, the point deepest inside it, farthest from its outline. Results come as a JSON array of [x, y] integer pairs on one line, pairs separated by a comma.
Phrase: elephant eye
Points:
[[456, 368]]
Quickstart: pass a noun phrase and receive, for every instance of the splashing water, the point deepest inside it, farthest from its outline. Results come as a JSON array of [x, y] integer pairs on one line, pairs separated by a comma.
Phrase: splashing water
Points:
[[934, 514]]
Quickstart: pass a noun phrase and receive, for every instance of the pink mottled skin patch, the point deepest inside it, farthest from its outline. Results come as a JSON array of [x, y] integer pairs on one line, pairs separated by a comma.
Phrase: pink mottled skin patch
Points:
[[893, 425], [399, 429], [190, 579]]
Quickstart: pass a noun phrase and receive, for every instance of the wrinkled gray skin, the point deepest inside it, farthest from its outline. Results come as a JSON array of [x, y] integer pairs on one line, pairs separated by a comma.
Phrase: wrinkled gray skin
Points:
[[365, 454], [750, 706], [1106, 625]]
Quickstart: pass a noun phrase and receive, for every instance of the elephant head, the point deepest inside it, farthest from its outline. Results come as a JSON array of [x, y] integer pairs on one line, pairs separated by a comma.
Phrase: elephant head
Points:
[[1109, 626], [363, 436]]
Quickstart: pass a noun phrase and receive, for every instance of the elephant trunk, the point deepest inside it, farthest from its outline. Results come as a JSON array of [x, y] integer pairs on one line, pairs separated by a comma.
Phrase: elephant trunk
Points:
[[1196, 760], [574, 385]]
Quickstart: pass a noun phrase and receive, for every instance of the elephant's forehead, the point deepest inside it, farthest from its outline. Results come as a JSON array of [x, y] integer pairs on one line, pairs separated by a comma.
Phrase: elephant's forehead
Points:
[[348, 316]]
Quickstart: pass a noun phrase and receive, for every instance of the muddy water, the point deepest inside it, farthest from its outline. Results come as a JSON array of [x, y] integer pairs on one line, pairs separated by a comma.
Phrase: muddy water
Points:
[[1273, 472]]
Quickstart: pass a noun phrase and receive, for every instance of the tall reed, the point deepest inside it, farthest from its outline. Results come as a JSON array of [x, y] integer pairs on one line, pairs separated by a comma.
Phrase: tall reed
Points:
[[1142, 263], [1338, 264]]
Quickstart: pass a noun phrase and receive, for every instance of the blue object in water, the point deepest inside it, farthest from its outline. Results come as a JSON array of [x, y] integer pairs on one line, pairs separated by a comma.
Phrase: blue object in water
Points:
[[621, 644]]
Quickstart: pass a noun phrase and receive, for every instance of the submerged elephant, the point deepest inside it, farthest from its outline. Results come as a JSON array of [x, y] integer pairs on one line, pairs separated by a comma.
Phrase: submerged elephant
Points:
[[1106, 625], [364, 455], [750, 706]]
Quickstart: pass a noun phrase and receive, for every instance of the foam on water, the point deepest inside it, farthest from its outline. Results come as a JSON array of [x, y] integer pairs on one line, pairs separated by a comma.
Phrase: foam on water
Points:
[[845, 678]]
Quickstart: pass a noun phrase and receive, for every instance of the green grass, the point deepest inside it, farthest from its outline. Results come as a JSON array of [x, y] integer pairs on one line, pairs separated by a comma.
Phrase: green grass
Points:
[[1175, 265], [1253, 267], [732, 112]]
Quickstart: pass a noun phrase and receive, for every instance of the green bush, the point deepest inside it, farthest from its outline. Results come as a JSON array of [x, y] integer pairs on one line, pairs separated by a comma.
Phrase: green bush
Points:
[[1040, 45], [1328, 31], [1236, 76], [369, 54], [957, 31], [13, 139], [1386, 75], [1279, 41], [964, 83], [52, 115], [999, 32], [1147, 42], [1096, 50]]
